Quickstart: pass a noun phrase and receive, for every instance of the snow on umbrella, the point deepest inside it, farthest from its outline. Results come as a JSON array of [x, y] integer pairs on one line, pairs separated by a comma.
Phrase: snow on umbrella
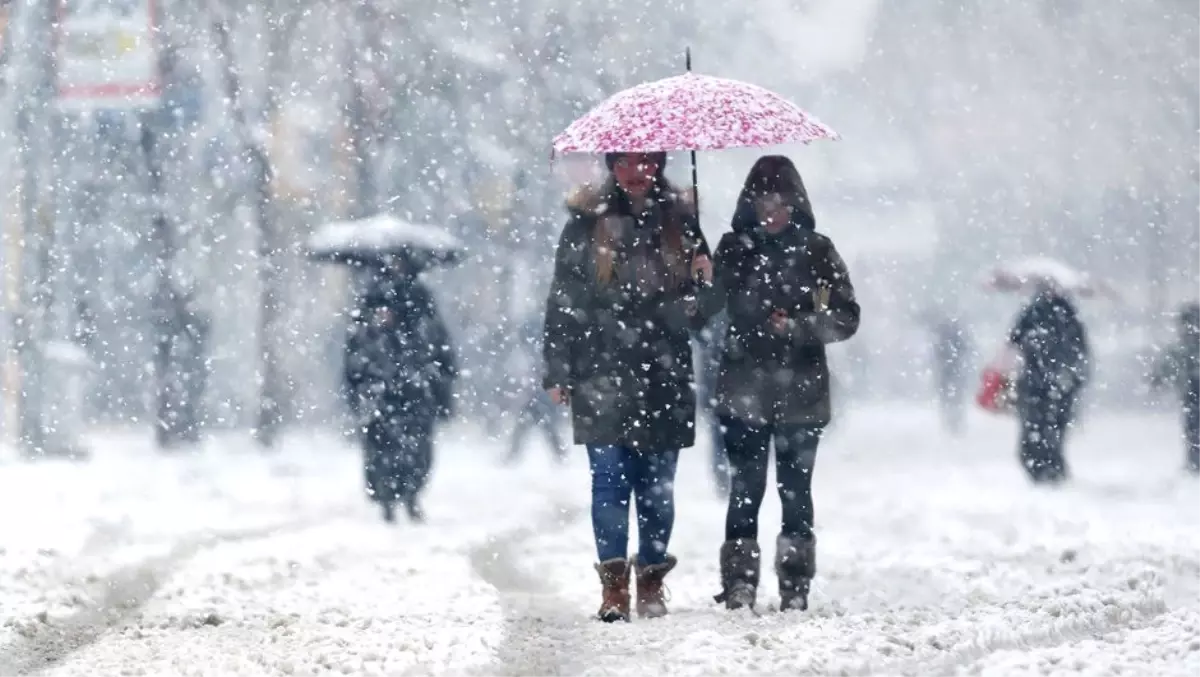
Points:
[[1027, 274], [690, 112], [380, 237]]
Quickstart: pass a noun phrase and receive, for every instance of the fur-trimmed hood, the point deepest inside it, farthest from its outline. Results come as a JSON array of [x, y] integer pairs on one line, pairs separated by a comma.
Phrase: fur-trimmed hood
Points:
[[606, 198]]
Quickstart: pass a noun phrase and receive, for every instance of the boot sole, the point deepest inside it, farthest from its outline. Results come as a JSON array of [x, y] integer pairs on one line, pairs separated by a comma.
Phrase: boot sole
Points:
[[793, 605]]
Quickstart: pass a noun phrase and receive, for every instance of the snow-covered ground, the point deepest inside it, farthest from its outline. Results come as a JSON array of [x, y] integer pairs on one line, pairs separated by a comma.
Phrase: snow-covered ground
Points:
[[935, 557]]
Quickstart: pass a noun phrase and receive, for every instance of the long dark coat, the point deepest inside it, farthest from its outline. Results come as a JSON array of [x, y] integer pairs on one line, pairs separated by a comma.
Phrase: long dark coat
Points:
[[1054, 348], [765, 377], [403, 369], [1180, 366], [621, 347]]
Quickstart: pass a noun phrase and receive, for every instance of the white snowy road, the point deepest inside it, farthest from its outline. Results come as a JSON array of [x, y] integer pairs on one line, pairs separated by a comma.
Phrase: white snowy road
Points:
[[935, 557]]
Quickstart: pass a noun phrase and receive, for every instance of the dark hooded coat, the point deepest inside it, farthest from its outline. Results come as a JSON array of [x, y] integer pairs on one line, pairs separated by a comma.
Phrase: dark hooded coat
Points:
[[769, 378]]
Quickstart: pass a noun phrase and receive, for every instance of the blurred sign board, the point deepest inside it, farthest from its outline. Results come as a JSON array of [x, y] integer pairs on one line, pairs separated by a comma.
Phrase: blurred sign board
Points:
[[3, 26], [106, 54]]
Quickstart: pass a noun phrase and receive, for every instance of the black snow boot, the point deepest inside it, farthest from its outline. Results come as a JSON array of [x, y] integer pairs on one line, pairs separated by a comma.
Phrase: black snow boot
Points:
[[795, 564], [741, 565], [389, 511], [415, 512]]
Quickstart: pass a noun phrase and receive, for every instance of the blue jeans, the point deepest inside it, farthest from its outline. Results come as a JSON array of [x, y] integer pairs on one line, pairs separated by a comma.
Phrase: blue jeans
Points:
[[619, 473]]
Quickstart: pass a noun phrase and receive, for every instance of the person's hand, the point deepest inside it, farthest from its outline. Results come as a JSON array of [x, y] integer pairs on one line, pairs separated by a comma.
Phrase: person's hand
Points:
[[779, 321], [821, 298], [702, 268], [558, 395]]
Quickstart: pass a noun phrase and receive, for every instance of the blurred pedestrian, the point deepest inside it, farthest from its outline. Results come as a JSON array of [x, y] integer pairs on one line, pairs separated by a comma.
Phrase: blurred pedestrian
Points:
[[399, 373], [535, 412], [708, 357], [952, 365], [1055, 360], [1180, 367]]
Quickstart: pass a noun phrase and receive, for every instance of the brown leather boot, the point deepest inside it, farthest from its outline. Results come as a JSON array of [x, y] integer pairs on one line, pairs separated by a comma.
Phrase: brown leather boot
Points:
[[795, 564], [614, 577], [651, 593]]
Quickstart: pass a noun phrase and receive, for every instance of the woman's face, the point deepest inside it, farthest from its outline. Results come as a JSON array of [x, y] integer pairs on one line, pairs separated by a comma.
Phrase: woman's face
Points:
[[635, 173], [773, 211]]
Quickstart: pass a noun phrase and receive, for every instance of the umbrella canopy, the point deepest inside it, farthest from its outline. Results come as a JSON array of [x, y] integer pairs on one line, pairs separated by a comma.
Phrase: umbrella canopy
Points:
[[690, 112], [1026, 275], [382, 237]]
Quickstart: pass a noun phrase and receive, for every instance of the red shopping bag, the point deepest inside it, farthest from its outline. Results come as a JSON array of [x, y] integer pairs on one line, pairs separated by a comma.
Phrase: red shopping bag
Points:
[[997, 388], [995, 391]]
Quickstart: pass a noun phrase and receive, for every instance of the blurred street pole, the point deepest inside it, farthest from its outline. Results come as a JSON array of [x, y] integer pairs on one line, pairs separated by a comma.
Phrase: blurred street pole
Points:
[[167, 300], [364, 137], [268, 418], [1156, 262], [32, 91]]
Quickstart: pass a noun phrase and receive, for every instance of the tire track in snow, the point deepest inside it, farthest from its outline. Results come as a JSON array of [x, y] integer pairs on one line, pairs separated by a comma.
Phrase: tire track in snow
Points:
[[541, 629], [117, 597], [1111, 618]]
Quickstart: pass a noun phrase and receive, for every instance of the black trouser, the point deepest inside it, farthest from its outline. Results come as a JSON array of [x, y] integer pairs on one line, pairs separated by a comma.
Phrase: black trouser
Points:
[[1044, 423], [1191, 426], [749, 452], [951, 401], [399, 455], [539, 412]]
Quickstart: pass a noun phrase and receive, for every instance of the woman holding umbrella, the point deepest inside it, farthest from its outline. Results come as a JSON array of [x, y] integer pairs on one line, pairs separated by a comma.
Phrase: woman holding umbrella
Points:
[[787, 294], [617, 350]]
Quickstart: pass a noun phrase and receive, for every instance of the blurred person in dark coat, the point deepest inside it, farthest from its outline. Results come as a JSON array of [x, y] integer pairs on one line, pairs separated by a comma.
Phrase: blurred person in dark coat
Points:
[[399, 375], [951, 366], [181, 359], [708, 358], [1180, 367], [1055, 357], [535, 409]]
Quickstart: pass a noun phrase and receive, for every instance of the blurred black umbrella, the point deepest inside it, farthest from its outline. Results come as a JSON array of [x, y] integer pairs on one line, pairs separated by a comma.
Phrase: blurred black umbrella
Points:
[[1026, 275], [382, 239]]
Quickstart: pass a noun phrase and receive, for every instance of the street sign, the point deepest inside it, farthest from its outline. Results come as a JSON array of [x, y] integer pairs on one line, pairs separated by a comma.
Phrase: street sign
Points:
[[107, 56]]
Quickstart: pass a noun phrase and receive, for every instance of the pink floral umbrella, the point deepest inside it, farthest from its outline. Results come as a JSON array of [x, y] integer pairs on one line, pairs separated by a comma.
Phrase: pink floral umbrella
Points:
[[691, 112]]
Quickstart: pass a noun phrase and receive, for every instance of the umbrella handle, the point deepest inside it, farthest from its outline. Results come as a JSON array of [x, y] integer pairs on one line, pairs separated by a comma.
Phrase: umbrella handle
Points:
[[695, 188], [687, 59]]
